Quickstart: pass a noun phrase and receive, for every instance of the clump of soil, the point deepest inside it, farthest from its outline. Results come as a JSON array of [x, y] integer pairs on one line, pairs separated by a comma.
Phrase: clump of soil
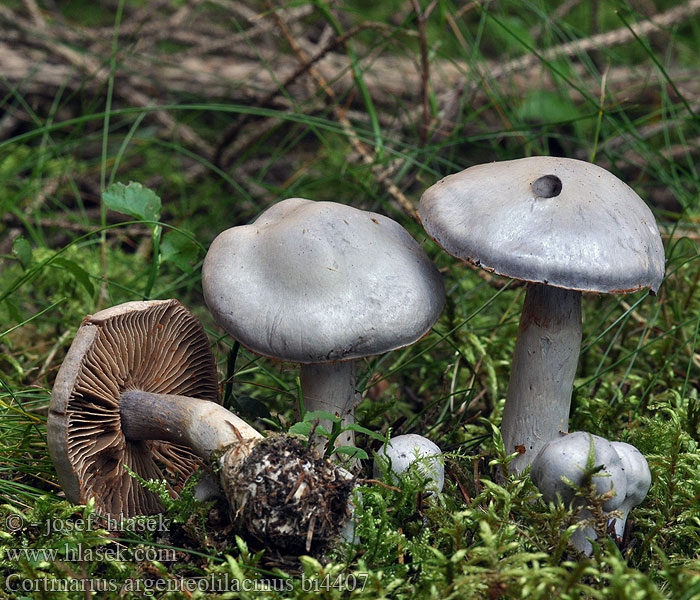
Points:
[[285, 495]]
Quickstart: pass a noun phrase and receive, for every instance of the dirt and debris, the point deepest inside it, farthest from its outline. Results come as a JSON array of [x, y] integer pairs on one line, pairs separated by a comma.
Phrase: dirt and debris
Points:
[[284, 495]]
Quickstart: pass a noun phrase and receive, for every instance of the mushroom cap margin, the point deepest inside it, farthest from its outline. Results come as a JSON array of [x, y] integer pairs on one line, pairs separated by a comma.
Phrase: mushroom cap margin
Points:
[[595, 235]]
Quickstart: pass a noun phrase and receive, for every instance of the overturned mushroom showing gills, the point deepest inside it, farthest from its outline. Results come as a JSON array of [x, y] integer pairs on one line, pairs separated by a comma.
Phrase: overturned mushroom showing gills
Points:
[[565, 227], [402, 451], [133, 389], [156, 347], [321, 284], [566, 458]]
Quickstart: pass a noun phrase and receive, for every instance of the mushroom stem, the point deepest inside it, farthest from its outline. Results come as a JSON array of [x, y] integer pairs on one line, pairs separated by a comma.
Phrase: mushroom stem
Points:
[[542, 375], [203, 426], [619, 524], [330, 387]]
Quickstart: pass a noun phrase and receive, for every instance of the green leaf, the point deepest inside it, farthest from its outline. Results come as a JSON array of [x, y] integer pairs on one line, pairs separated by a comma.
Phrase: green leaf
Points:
[[304, 428], [13, 310], [320, 415], [22, 250], [360, 429], [509, 33], [179, 249], [301, 428], [80, 274], [134, 200], [543, 106], [14, 363], [352, 452], [234, 567]]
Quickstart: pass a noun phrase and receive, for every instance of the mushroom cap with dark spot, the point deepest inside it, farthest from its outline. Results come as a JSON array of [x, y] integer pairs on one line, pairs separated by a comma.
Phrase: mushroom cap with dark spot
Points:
[[558, 221], [155, 346], [315, 282]]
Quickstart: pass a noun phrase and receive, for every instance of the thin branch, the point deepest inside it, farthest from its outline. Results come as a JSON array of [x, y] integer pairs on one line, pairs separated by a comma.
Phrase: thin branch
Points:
[[352, 136], [93, 68], [242, 120], [616, 37], [425, 68]]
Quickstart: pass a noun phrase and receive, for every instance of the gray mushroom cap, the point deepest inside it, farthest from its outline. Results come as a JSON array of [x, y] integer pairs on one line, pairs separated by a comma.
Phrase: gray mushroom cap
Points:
[[636, 470], [638, 476], [314, 282], [557, 221], [566, 457], [404, 450]]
